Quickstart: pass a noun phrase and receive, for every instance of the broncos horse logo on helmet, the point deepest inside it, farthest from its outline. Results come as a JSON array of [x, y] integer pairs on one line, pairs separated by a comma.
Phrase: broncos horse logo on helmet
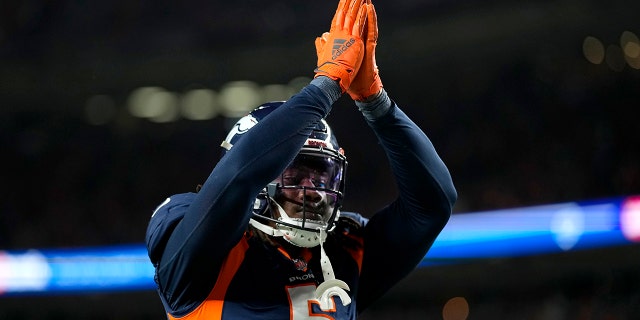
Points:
[[318, 169]]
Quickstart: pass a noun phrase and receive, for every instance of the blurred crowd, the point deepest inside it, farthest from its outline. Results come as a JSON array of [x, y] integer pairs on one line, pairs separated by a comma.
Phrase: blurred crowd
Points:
[[518, 140], [515, 110]]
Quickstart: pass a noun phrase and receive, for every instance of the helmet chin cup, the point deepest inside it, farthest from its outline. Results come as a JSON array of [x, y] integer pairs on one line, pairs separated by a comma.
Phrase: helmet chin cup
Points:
[[300, 237]]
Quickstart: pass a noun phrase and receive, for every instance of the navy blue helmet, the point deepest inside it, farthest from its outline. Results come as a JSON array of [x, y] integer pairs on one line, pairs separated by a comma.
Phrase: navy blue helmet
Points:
[[321, 164]]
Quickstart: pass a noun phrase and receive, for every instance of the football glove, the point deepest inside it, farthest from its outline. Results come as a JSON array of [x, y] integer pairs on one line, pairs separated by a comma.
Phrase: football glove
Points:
[[340, 50], [367, 82]]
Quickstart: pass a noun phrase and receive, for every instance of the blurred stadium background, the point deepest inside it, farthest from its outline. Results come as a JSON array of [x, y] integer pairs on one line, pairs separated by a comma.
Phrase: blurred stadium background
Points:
[[108, 107]]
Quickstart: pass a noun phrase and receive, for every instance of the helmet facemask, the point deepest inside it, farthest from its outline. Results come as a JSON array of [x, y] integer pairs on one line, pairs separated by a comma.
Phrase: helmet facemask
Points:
[[316, 175], [306, 198]]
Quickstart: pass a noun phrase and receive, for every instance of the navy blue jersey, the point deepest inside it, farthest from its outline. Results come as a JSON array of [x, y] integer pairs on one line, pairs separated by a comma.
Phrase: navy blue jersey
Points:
[[211, 265]]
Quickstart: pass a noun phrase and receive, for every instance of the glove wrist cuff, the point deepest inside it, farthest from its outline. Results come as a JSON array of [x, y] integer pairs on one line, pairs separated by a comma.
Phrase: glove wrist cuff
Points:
[[376, 106], [335, 72], [330, 87]]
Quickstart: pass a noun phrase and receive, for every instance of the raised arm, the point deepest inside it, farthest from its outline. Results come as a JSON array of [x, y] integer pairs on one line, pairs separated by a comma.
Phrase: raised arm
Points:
[[404, 230], [189, 252]]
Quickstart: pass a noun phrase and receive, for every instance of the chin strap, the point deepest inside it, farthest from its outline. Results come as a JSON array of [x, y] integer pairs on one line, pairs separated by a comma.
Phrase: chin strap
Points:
[[331, 286], [266, 229]]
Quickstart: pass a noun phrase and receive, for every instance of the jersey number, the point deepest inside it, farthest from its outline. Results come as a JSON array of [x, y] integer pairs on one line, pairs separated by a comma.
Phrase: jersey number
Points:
[[301, 302]]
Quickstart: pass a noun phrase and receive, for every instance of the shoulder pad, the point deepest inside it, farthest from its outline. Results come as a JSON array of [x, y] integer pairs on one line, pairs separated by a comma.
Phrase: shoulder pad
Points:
[[350, 222], [163, 220]]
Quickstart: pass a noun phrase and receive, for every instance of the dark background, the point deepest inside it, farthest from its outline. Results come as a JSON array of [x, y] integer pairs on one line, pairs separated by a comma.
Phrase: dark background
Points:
[[502, 89]]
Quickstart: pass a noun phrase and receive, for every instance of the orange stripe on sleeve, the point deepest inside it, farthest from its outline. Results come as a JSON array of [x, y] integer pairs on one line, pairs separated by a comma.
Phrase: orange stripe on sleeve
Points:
[[211, 308]]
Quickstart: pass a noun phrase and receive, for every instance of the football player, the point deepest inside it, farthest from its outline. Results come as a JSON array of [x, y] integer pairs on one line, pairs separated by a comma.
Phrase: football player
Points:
[[266, 237]]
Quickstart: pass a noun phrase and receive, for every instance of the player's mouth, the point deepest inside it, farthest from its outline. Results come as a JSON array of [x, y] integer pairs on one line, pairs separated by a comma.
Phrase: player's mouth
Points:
[[309, 214]]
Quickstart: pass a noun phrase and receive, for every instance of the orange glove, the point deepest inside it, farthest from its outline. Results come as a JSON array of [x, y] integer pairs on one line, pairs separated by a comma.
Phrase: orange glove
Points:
[[340, 50], [367, 82]]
